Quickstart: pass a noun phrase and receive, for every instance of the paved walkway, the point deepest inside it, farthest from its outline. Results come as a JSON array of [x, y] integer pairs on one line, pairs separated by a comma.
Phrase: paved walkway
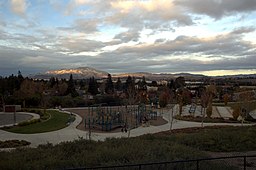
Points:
[[253, 114], [70, 133], [7, 119]]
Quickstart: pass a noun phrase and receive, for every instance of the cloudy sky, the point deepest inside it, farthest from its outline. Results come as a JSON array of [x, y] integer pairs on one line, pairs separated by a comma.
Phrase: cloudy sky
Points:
[[212, 37]]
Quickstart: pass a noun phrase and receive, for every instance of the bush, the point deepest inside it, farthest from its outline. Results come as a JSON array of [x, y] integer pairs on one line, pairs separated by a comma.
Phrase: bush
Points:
[[45, 116], [29, 122], [13, 143]]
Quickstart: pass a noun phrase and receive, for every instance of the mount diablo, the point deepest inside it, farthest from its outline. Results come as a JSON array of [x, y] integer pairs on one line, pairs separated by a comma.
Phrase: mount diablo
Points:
[[78, 73], [87, 72]]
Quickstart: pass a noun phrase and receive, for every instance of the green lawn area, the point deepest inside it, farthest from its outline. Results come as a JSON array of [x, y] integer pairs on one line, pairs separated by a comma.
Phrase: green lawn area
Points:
[[58, 120], [216, 138], [182, 144]]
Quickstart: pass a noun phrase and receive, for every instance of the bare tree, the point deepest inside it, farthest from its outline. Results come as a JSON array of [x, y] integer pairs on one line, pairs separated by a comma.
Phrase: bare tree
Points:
[[211, 92], [204, 103]]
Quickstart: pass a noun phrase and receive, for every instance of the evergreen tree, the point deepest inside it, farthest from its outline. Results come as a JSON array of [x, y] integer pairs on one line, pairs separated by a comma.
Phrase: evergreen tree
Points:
[[19, 80], [82, 84], [93, 86], [143, 84], [52, 82], [130, 83], [130, 90], [179, 82], [109, 85], [71, 87], [118, 85], [171, 85], [20, 75]]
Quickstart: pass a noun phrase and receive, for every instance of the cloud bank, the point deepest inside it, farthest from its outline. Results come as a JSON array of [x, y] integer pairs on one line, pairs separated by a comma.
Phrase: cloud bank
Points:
[[126, 36]]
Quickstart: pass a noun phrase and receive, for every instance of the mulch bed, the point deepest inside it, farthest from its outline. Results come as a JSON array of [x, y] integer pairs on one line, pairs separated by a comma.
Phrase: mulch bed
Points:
[[84, 113]]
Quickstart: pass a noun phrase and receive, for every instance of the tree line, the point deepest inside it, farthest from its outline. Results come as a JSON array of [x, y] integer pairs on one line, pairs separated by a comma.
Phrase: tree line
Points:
[[16, 89], [28, 92]]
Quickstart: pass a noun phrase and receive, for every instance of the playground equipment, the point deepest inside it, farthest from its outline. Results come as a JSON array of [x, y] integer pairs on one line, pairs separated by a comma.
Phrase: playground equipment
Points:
[[107, 118], [192, 108], [103, 117], [145, 113]]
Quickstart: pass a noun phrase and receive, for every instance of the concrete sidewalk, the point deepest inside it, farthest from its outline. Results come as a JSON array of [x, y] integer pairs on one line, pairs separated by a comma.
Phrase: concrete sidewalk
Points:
[[7, 119], [70, 133]]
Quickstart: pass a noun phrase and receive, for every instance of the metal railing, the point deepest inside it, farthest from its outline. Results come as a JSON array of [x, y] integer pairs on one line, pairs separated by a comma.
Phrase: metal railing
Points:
[[230, 162]]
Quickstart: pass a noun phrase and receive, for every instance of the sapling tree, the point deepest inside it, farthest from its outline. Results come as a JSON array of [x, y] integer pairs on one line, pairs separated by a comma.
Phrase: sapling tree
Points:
[[204, 103], [211, 92]]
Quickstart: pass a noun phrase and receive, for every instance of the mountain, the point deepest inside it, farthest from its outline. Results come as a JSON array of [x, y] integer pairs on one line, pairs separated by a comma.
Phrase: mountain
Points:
[[160, 76], [78, 73], [238, 76], [87, 72]]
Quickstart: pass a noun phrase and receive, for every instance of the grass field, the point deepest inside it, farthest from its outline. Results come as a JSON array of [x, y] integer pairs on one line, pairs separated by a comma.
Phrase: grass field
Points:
[[182, 144], [56, 121], [216, 138]]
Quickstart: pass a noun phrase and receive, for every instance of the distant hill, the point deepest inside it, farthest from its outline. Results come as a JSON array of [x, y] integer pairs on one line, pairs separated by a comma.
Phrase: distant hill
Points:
[[87, 72], [238, 76], [78, 73], [159, 76]]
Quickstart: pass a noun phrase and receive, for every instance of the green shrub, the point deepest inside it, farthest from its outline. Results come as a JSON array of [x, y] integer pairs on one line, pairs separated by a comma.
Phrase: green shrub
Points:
[[45, 116], [29, 122]]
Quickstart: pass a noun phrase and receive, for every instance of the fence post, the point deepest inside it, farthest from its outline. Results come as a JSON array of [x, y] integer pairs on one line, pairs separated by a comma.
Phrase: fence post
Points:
[[197, 164], [139, 166], [244, 162]]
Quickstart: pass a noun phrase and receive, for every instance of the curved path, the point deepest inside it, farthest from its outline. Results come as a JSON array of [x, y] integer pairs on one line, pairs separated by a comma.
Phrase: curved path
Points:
[[70, 133], [7, 119]]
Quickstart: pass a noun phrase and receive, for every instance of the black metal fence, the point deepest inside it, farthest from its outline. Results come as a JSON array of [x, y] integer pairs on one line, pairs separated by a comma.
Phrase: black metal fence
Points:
[[247, 162]]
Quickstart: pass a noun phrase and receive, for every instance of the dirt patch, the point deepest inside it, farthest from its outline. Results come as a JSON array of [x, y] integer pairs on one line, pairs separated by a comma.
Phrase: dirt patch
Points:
[[124, 115], [158, 122]]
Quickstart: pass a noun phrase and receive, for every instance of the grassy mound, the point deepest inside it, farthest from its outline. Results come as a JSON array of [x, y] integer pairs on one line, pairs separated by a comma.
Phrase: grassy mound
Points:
[[165, 146], [57, 120]]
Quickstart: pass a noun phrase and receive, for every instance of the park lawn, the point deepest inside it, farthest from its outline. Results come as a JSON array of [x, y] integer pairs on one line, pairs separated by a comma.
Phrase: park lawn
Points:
[[58, 120], [215, 139], [183, 144]]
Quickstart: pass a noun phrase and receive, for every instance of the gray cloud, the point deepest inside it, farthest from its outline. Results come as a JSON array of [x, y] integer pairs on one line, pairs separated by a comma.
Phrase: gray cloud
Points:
[[231, 51], [218, 8], [130, 35], [227, 45], [75, 45], [27, 45], [86, 26]]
